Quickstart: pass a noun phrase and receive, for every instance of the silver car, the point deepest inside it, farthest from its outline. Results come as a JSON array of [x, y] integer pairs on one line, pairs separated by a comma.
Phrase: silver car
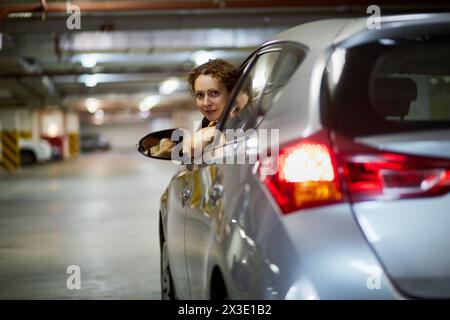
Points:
[[358, 204]]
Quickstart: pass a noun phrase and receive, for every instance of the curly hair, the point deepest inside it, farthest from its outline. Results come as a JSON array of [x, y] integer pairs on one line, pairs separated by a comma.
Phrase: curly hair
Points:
[[219, 69]]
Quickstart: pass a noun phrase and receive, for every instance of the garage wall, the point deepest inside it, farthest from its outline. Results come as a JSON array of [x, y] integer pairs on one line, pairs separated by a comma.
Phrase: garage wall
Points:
[[124, 136]]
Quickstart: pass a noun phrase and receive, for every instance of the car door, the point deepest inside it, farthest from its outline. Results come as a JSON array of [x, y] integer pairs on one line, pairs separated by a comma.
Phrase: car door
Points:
[[215, 186], [177, 194], [247, 255]]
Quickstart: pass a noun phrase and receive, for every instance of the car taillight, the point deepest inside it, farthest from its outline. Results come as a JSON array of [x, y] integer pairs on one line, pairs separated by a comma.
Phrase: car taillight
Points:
[[308, 176], [371, 174]]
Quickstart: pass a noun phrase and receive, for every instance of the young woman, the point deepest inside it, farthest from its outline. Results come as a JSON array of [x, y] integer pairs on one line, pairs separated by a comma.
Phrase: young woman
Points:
[[211, 84]]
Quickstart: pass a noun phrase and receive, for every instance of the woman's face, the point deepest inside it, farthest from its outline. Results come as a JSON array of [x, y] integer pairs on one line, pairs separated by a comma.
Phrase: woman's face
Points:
[[211, 96]]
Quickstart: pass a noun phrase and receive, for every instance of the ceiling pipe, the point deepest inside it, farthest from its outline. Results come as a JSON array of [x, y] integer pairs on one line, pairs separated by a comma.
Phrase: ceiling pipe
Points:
[[45, 7]]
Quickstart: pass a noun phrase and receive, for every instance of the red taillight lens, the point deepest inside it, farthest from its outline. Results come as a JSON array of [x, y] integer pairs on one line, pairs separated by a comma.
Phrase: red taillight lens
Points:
[[385, 175], [306, 175]]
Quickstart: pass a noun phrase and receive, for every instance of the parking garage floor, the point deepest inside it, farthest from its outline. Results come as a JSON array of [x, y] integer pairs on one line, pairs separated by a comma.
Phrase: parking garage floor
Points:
[[98, 212]]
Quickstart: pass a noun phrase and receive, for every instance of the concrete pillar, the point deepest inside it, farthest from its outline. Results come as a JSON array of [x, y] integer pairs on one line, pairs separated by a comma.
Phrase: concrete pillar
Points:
[[34, 124], [72, 131], [24, 119], [9, 122]]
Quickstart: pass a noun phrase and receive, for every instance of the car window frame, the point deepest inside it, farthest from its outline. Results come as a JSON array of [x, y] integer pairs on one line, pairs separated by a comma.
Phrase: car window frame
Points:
[[244, 69], [256, 102], [287, 47], [247, 66]]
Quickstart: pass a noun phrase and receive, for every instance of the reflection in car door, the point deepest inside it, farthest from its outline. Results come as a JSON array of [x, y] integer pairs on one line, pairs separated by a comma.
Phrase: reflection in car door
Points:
[[175, 226], [204, 212]]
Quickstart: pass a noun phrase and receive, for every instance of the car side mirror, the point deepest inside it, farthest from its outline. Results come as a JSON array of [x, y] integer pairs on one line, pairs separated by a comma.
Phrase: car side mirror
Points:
[[176, 145], [157, 145]]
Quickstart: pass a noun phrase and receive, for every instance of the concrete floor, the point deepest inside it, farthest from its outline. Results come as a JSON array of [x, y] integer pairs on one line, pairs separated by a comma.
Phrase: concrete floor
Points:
[[99, 212]]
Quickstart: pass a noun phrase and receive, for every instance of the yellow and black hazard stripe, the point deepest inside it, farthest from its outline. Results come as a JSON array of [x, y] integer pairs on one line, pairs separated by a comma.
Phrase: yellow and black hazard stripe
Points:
[[74, 144], [25, 134], [10, 150]]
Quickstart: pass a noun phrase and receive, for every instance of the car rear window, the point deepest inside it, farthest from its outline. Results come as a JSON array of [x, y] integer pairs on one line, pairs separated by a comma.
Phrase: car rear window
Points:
[[391, 85]]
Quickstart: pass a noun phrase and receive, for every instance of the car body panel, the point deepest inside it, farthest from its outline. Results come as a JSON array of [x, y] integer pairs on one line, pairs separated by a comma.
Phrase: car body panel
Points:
[[40, 148], [435, 143], [400, 232], [336, 261], [202, 219], [173, 222]]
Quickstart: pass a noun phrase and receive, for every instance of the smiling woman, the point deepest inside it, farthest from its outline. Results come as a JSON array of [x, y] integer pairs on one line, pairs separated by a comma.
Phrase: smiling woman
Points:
[[211, 84]]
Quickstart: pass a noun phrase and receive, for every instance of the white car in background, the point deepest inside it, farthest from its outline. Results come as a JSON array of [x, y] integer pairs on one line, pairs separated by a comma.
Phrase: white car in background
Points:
[[35, 150]]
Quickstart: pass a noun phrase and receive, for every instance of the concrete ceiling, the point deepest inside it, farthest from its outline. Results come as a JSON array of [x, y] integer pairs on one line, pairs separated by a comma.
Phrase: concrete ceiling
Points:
[[129, 48]]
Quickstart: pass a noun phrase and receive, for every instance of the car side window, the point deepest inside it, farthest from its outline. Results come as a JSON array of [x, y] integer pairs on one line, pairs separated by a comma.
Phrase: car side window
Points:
[[268, 76], [245, 103], [288, 62]]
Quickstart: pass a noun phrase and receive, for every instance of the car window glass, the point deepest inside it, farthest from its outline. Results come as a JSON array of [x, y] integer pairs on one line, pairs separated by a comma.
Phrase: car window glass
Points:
[[286, 65], [393, 86], [270, 73], [245, 102], [412, 83]]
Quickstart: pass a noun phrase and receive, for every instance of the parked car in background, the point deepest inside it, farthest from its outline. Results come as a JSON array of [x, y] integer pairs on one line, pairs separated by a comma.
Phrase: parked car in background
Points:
[[94, 142], [359, 205], [34, 150]]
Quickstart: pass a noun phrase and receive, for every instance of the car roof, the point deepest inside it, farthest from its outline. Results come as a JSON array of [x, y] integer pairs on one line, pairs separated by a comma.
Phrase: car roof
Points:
[[322, 33], [313, 34]]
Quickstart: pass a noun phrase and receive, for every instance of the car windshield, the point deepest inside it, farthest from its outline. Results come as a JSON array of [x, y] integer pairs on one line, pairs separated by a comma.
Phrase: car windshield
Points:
[[393, 85]]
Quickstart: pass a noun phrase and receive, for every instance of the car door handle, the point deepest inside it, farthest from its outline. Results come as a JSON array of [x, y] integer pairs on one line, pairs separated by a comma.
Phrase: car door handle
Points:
[[215, 192], [185, 195]]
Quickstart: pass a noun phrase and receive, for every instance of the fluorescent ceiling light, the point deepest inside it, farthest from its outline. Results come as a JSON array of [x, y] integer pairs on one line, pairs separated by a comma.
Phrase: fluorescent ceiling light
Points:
[[201, 57], [92, 105], [20, 15], [149, 102], [99, 114], [90, 80], [144, 114], [169, 85], [52, 130], [88, 60]]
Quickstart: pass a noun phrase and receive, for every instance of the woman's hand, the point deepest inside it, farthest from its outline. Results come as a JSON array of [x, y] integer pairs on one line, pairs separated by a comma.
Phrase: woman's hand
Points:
[[164, 149], [204, 137]]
